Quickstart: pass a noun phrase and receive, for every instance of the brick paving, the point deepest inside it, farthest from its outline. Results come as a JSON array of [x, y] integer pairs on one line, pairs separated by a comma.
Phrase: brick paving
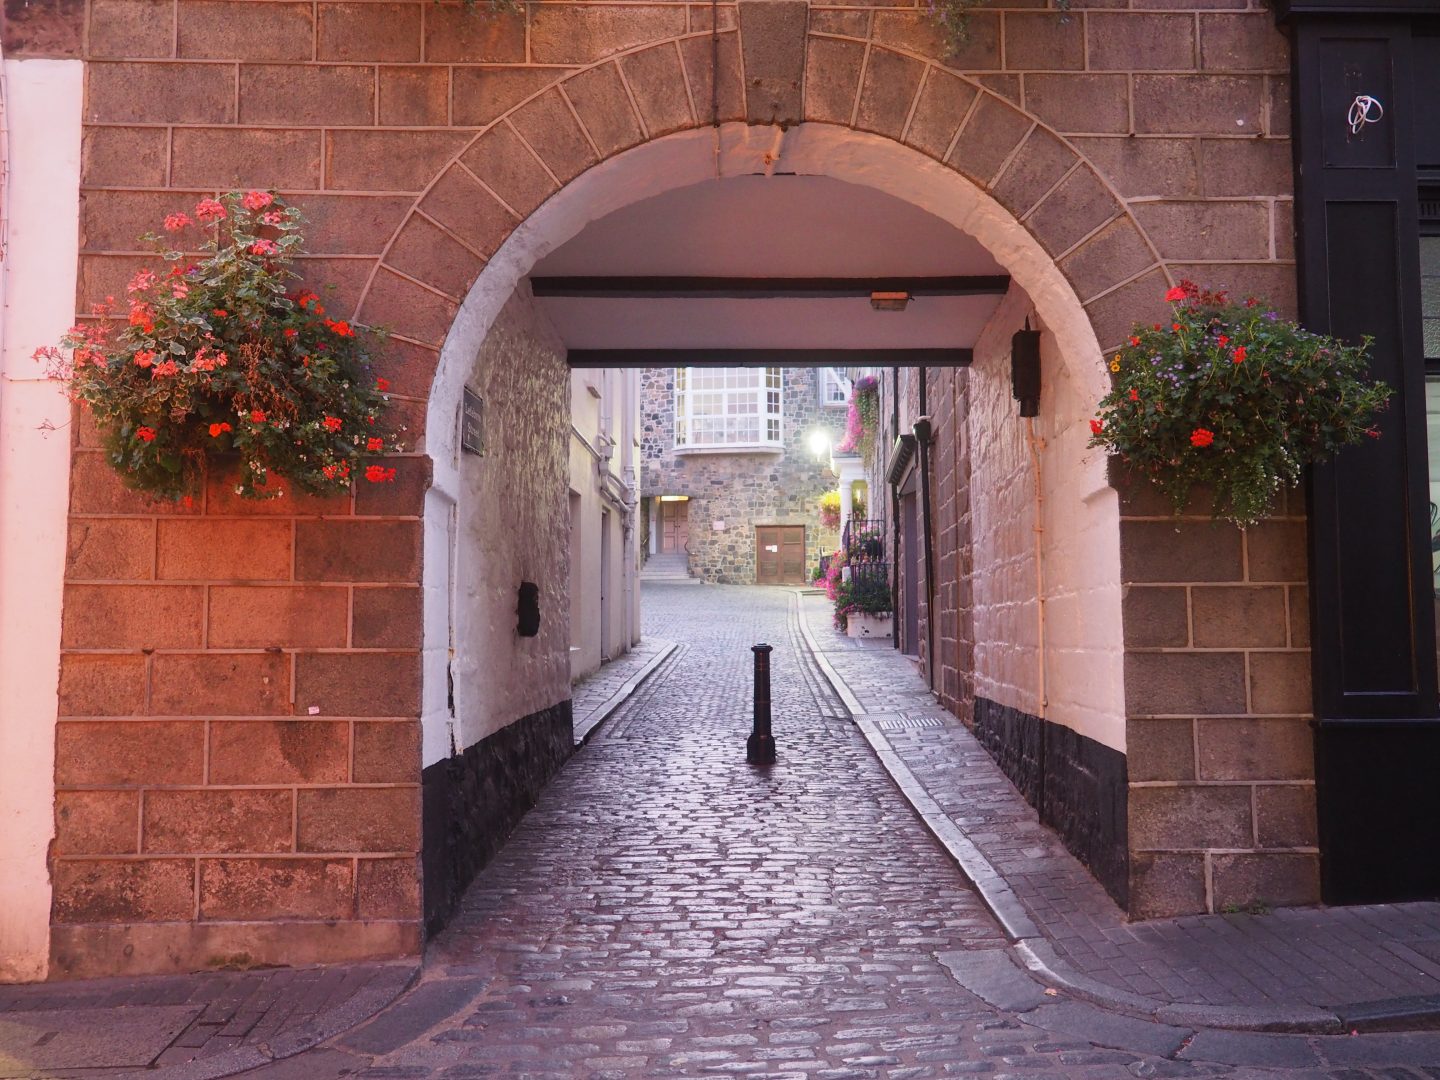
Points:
[[1298, 956]]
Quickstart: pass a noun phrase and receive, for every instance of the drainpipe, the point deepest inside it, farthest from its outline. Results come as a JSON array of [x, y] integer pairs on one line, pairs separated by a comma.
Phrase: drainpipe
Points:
[[895, 517], [923, 430]]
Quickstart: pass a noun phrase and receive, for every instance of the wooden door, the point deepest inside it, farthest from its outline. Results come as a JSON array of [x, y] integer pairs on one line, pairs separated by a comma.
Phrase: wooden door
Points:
[[674, 526], [780, 554]]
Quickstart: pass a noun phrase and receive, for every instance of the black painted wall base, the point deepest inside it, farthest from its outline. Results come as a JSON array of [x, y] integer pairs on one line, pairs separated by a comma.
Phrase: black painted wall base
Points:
[[1079, 786], [474, 800]]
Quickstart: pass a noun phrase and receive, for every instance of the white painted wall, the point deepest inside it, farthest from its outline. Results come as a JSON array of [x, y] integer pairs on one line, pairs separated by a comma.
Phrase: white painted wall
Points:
[[604, 411], [42, 107], [1078, 679]]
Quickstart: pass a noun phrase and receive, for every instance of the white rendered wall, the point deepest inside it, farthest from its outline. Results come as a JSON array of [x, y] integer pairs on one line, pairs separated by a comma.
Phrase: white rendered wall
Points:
[[42, 104], [1077, 681], [874, 161], [604, 404]]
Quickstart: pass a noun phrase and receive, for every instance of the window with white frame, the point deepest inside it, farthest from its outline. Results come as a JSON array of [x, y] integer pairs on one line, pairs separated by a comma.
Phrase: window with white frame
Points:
[[834, 387], [727, 407]]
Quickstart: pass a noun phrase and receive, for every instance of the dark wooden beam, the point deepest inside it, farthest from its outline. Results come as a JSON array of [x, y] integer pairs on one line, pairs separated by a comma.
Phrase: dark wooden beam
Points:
[[706, 288], [662, 358]]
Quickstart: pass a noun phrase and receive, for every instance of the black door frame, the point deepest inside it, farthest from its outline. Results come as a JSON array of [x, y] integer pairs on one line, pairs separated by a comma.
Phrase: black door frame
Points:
[[1377, 726]]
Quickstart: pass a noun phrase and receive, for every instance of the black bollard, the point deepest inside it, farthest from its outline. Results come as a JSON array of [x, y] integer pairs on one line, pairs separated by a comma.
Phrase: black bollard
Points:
[[760, 747]]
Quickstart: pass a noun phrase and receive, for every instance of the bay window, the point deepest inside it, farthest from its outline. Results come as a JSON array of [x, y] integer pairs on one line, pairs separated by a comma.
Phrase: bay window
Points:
[[727, 408]]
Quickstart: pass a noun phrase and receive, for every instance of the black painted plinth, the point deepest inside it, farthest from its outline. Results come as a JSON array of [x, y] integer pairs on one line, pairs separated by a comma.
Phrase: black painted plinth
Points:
[[474, 800], [1079, 786]]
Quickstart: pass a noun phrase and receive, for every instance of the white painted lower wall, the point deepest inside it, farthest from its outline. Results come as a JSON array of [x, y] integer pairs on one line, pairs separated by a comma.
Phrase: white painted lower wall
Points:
[[1077, 679], [42, 109]]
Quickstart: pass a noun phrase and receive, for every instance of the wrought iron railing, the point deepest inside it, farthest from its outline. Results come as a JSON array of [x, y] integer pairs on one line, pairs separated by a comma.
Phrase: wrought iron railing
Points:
[[863, 541]]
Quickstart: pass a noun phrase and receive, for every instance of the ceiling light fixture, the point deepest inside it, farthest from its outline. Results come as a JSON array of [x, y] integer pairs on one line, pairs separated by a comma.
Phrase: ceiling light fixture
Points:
[[889, 301]]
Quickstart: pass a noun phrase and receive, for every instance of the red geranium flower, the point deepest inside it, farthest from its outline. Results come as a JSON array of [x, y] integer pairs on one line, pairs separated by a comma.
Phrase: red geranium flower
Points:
[[1175, 326], [264, 247], [1201, 437], [257, 200], [217, 429], [176, 222], [1134, 394], [373, 444], [1176, 293], [144, 358], [333, 423], [382, 385], [1238, 356], [220, 313], [1096, 427], [209, 210], [1134, 341], [378, 474], [257, 416], [146, 434]]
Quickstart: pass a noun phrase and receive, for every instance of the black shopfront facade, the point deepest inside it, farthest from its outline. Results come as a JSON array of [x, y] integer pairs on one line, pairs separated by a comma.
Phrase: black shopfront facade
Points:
[[1367, 153]]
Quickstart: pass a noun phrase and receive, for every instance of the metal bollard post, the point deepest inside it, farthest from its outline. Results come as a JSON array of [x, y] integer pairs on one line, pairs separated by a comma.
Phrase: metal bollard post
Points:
[[760, 747]]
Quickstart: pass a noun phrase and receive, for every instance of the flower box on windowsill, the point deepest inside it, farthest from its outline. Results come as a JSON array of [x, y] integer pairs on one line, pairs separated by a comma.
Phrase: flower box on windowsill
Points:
[[861, 624]]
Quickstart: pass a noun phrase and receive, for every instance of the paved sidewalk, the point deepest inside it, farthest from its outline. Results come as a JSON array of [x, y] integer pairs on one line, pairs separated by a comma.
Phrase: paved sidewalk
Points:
[[596, 696], [1313, 969], [186, 1027]]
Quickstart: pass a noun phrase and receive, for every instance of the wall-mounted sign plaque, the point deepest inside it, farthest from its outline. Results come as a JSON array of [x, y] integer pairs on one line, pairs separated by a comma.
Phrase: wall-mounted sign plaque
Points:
[[472, 423]]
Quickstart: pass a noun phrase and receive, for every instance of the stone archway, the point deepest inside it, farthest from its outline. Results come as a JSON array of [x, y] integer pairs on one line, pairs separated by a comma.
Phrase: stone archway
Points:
[[240, 779], [519, 689]]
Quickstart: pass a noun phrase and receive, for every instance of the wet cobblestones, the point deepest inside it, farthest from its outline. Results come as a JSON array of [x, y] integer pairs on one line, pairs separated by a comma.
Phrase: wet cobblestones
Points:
[[668, 911]]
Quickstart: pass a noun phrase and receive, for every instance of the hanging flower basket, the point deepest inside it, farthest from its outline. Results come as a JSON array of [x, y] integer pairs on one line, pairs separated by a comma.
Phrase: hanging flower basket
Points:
[[221, 357], [1233, 397], [862, 418], [830, 510]]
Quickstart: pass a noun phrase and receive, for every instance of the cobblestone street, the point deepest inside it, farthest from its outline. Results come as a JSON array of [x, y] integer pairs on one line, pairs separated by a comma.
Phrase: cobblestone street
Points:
[[668, 911]]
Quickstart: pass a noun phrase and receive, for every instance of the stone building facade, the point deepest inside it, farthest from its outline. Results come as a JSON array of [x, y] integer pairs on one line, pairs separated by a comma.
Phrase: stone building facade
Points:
[[729, 493], [238, 776]]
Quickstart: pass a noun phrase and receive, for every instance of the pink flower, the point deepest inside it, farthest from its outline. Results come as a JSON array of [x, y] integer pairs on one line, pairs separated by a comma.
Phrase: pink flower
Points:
[[176, 222], [274, 217], [209, 210], [140, 282], [144, 358], [257, 200], [264, 247], [167, 367]]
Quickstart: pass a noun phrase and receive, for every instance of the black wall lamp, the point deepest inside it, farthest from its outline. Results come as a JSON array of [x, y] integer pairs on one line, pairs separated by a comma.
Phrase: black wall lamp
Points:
[[1025, 369]]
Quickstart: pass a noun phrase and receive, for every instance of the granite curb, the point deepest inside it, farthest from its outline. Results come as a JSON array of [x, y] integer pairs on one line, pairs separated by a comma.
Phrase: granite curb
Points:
[[363, 1005], [585, 727], [1035, 957]]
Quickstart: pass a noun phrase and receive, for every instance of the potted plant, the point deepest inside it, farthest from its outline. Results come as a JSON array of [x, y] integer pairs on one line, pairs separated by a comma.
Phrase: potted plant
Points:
[[830, 510], [862, 606], [1231, 396], [217, 355]]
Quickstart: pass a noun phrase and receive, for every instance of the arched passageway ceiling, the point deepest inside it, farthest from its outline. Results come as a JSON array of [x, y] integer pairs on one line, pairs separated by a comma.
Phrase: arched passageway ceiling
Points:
[[761, 229]]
